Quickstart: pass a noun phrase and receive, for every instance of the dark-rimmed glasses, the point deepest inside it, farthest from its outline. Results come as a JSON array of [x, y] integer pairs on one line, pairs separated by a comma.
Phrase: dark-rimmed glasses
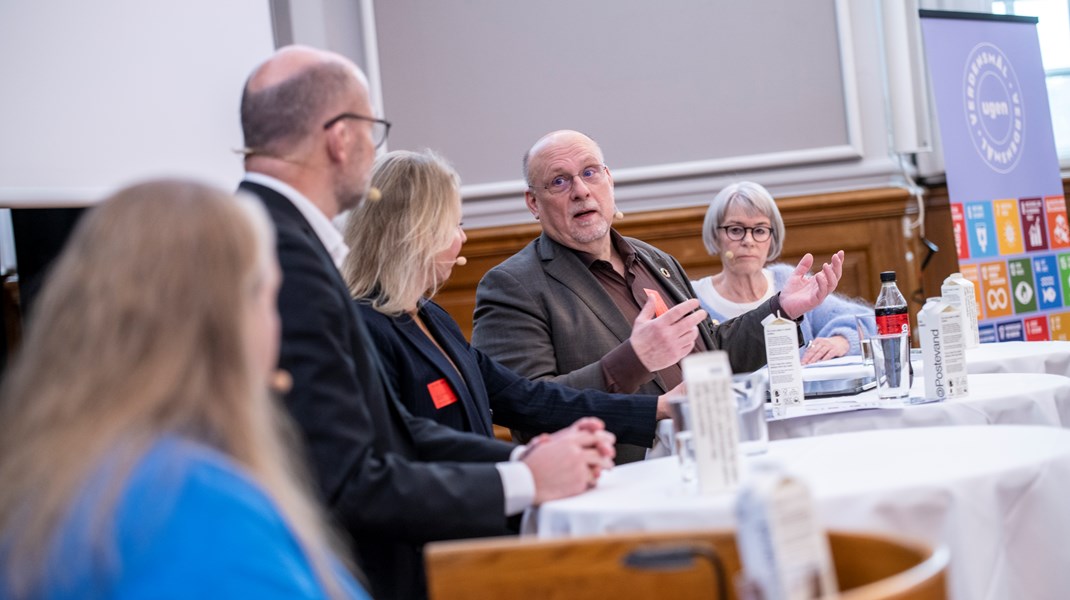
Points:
[[736, 233], [380, 127], [591, 175]]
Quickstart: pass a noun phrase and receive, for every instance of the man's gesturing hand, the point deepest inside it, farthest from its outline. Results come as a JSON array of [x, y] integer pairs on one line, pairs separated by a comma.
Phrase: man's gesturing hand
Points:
[[662, 341]]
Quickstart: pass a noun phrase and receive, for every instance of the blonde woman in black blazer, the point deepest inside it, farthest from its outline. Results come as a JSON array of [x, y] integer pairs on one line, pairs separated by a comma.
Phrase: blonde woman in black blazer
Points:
[[402, 248]]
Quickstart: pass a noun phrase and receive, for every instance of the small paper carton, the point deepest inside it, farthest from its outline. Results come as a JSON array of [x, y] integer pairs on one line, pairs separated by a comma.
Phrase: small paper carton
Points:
[[943, 350], [714, 421], [783, 550], [785, 369], [958, 292]]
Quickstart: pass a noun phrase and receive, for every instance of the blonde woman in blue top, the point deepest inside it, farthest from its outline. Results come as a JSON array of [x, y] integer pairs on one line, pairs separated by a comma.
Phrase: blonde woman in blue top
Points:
[[140, 452], [743, 225]]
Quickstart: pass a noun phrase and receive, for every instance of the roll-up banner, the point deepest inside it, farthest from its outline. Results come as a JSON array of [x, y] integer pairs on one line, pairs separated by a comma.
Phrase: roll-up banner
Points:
[[1007, 205]]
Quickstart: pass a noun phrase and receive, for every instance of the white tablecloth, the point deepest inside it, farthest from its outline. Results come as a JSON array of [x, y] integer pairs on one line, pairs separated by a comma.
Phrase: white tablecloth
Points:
[[999, 497], [994, 399], [1052, 357], [1020, 357]]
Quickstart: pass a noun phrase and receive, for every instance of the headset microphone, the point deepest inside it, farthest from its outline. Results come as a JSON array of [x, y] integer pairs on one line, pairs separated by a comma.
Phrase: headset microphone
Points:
[[281, 382]]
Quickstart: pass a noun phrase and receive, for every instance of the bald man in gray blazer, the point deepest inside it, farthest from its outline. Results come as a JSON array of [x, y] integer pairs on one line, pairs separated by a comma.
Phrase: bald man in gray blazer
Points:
[[584, 306]]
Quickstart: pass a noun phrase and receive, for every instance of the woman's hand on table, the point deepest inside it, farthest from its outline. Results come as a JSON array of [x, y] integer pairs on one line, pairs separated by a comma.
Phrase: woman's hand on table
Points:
[[825, 348]]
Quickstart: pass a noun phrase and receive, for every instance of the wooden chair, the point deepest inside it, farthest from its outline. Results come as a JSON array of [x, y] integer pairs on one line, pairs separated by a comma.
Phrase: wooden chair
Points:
[[647, 565]]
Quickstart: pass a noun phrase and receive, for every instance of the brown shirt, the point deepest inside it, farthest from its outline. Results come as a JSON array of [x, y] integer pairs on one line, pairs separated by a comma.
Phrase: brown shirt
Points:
[[621, 368]]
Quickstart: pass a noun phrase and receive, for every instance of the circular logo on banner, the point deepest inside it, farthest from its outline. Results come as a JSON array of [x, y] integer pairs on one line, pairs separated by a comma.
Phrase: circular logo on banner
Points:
[[993, 103]]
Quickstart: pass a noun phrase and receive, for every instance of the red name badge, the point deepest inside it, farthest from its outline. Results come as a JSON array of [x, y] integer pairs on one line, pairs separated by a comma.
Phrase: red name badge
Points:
[[659, 304], [441, 393]]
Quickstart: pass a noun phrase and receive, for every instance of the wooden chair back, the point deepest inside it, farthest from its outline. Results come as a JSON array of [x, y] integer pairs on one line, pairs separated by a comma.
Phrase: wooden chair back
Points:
[[681, 566]]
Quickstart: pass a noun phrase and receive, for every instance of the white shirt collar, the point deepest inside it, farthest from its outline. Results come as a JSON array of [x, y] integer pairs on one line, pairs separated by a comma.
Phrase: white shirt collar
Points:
[[327, 233]]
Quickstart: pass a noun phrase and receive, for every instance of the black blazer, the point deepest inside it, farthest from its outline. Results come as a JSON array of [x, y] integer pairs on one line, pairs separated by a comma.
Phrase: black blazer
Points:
[[392, 480], [413, 364]]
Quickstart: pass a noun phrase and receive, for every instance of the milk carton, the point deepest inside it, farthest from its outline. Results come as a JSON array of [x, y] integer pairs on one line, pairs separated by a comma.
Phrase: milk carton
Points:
[[943, 350], [783, 550], [714, 421], [958, 292], [785, 369]]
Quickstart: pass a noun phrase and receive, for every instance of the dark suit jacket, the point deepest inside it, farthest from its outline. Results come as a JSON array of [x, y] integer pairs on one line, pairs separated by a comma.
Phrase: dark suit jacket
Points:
[[543, 314], [412, 363], [393, 481]]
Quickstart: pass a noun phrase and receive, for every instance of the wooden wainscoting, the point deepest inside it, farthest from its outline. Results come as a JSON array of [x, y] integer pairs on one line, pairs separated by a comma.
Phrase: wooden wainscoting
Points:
[[939, 230], [871, 226]]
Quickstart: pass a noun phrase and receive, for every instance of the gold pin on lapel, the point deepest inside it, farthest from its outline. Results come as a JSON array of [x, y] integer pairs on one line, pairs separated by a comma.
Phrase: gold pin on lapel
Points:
[[666, 273]]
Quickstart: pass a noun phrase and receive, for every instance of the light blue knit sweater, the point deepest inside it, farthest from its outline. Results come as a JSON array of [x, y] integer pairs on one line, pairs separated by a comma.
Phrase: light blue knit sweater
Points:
[[835, 316]]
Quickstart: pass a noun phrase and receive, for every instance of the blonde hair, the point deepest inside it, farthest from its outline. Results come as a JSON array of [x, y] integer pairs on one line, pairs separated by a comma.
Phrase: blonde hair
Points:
[[393, 242], [753, 199], [140, 332]]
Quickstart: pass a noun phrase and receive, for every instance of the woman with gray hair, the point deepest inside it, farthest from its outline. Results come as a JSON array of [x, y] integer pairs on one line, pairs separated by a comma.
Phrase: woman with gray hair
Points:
[[743, 225]]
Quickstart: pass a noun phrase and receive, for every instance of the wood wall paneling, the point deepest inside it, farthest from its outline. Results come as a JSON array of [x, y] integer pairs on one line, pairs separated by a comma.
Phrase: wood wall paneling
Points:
[[869, 225]]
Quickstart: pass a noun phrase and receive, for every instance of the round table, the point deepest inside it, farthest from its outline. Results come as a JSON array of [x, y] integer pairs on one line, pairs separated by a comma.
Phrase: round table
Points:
[[994, 399], [1020, 357], [997, 496]]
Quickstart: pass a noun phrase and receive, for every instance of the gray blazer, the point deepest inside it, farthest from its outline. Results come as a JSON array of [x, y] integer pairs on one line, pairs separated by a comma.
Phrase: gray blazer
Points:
[[543, 314]]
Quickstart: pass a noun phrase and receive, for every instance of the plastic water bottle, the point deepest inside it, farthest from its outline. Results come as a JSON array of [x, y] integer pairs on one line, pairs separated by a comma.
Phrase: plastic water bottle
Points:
[[891, 315], [891, 307]]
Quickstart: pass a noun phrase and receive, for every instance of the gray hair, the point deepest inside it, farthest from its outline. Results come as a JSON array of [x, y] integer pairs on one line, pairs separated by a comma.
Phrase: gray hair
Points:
[[754, 199], [278, 117]]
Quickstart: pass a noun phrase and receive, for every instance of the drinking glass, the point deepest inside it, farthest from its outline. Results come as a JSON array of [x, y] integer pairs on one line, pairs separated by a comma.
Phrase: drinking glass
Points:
[[866, 327], [683, 443], [750, 390], [891, 365]]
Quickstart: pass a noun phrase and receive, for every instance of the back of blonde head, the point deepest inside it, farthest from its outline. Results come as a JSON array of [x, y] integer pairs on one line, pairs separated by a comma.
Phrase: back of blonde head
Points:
[[140, 332], [393, 242]]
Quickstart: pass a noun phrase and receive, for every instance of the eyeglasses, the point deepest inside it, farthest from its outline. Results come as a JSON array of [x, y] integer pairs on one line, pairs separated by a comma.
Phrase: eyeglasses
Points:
[[736, 233], [591, 175], [380, 127]]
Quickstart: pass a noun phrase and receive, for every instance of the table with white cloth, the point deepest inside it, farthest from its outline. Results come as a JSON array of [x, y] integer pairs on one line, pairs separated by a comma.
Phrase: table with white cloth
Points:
[[1007, 400], [1019, 357], [994, 399], [999, 497]]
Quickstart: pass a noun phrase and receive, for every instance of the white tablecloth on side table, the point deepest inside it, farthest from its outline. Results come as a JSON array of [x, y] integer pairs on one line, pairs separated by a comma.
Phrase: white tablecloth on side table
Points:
[[1020, 357], [994, 399], [999, 497]]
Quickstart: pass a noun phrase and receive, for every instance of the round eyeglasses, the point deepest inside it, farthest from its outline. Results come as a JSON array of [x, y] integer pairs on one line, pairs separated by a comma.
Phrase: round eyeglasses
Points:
[[591, 175], [736, 233], [380, 127]]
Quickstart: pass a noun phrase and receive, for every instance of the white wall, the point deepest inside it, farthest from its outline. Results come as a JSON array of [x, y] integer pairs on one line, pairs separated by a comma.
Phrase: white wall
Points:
[[102, 92], [684, 96], [97, 94]]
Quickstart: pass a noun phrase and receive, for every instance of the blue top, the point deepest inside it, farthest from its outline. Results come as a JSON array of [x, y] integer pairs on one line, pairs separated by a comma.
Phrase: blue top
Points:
[[189, 524], [835, 316]]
